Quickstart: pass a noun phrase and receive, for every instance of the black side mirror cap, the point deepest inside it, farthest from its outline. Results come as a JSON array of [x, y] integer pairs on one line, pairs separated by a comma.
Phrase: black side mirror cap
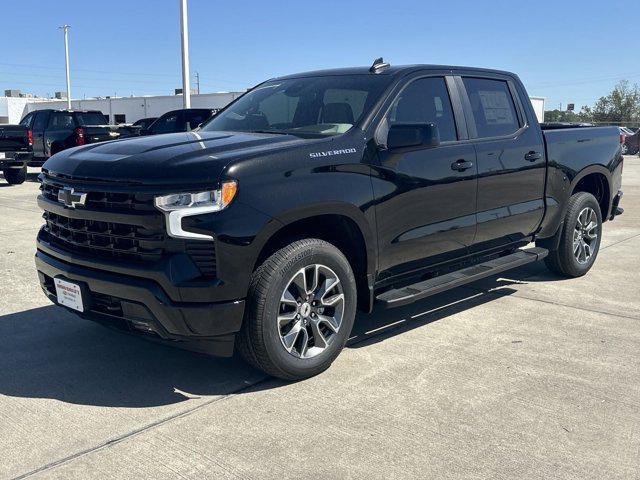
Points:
[[413, 135]]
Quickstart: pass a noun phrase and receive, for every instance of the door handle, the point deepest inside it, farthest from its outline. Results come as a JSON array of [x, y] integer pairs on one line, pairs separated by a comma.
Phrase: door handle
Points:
[[532, 156], [461, 165]]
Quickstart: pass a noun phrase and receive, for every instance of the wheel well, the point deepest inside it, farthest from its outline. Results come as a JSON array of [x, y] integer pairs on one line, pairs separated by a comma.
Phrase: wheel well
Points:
[[596, 184], [338, 230]]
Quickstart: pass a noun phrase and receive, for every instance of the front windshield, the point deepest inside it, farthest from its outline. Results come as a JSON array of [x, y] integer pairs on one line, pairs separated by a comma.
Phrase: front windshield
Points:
[[310, 106]]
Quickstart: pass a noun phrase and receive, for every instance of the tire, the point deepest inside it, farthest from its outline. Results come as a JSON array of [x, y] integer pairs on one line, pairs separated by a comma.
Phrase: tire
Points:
[[15, 176], [272, 338], [624, 149], [565, 261]]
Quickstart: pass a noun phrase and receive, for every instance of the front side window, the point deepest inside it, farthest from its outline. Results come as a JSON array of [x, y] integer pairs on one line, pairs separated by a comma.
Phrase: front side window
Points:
[[425, 100], [40, 121], [493, 109], [307, 106]]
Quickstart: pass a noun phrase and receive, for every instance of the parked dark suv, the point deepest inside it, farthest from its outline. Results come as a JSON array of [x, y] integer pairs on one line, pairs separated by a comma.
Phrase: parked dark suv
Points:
[[178, 121]]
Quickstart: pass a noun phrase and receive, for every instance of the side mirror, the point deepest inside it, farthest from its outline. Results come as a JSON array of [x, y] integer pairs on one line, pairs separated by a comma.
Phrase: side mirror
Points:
[[413, 135]]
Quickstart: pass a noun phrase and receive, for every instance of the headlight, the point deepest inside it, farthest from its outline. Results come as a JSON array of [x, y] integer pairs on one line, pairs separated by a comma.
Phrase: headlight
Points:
[[176, 206]]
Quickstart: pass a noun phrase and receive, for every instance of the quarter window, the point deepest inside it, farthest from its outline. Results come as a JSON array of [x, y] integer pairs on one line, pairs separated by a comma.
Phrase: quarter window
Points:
[[425, 100], [493, 109]]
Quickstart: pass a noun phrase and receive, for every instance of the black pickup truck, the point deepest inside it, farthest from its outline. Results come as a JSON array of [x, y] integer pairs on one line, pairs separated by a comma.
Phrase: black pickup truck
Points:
[[16, 142], [57, 130], [317, 194]]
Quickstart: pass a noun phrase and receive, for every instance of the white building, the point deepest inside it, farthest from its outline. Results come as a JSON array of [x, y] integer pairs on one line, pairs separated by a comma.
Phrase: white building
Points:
[[538, 107], [130, 109], [12, 109], [118, 109]]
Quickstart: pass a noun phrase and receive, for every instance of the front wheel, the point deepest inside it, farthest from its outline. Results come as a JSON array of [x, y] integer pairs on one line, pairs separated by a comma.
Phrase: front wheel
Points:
[[15, 176], [624, 149], [300, 310], [580, 237]]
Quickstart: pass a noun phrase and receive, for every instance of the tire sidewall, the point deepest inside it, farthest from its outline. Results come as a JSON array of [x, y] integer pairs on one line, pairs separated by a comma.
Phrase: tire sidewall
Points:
[[318, 254], [586, 200]]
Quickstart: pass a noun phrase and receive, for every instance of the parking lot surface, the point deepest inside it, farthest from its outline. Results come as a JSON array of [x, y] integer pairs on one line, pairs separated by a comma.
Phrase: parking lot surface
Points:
[[526, 375]]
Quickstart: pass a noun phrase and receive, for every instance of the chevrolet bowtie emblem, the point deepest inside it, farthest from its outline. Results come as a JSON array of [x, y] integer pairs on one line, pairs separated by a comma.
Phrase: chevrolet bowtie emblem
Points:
[[71, 198]]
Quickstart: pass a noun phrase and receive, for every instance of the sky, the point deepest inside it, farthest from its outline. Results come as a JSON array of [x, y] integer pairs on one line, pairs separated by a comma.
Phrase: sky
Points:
[[565, 50]]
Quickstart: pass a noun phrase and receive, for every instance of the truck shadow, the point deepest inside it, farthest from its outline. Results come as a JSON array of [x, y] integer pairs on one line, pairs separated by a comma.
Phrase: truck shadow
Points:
[[47, 352]]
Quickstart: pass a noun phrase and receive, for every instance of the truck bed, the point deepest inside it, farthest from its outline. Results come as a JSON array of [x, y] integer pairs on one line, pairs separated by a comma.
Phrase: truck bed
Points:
[[14, 138], [580, 145]]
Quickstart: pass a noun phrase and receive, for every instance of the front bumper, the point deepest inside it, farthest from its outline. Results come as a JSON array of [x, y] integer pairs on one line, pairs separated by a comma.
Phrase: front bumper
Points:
[[140, 304]]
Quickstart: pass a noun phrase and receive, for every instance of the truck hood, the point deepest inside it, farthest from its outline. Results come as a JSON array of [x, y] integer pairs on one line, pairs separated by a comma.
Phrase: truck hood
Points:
[[170, 159]]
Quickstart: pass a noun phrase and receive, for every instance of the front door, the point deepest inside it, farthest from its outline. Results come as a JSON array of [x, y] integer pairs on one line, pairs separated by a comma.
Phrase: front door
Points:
[[426, 196], [511, 164]]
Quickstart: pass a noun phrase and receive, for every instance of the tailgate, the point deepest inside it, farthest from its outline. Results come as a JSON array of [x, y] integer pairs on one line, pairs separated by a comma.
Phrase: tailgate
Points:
[[99, 133], [14, 138]]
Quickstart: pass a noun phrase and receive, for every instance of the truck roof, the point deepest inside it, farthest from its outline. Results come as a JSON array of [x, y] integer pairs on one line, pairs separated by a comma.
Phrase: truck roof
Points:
[[66, 110], [391, 70]]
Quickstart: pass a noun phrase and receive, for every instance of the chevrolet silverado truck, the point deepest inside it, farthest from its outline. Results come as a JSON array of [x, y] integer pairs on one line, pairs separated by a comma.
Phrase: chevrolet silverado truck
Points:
[[16, 144], [316, 195]]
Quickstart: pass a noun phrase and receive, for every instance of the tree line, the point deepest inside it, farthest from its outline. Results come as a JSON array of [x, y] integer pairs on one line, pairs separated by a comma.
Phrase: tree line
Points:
[[620, 107]]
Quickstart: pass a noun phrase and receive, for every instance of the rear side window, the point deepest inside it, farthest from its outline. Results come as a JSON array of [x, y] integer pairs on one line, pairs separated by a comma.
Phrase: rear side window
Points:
[[91, 118], [493, 109], [61, 120], [425, 100]]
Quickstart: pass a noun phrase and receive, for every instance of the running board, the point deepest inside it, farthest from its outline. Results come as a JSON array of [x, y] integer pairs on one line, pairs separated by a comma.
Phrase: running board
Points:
[[426, 288]]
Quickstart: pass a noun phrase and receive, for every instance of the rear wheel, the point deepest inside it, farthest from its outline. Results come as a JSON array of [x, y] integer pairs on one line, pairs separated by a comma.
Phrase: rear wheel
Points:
[[624, 148], [15, 176], [580, 237], [300, 310]]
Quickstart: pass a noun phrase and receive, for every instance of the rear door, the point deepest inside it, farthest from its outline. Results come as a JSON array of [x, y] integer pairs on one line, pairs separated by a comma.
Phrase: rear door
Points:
[[425, 196], [38, 126], [510, 159]]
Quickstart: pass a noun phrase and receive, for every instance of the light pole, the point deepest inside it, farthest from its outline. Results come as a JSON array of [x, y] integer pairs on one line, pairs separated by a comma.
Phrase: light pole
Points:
[[184, 42], [65, 28]]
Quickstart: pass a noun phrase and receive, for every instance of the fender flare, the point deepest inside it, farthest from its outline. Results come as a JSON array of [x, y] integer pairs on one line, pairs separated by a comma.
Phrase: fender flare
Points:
[[590, 170], [343, 209]]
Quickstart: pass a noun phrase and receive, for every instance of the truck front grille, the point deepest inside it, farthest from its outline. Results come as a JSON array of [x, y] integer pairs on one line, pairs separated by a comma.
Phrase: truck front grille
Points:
[[105, 239], [124, 240]]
